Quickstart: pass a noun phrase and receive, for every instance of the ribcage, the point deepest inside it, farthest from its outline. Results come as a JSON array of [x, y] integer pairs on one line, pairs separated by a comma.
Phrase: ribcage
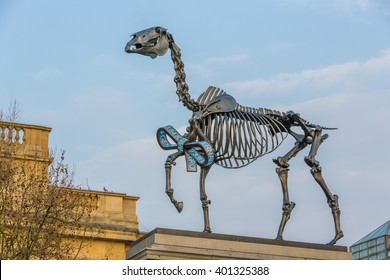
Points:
[[241, 136]]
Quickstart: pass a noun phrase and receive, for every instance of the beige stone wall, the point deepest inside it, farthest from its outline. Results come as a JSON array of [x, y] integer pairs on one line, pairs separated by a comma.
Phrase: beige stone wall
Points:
[[115, 226], [32, 140], [103, 250], [29, 145]]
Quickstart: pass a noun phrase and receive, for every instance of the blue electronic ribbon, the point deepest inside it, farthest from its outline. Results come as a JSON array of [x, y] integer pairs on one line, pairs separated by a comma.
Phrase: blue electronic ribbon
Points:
[[200, 153]]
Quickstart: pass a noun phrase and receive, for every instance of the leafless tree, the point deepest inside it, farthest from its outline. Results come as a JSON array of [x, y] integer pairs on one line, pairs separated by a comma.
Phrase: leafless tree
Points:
[[43, 215]]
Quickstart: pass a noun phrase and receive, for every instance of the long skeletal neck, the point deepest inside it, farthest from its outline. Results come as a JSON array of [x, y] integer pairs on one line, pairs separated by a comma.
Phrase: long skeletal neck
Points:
[[180, 78]]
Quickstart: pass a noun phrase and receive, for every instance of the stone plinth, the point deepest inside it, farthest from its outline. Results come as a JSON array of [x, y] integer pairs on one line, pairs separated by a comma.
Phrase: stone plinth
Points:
[[168, 244]]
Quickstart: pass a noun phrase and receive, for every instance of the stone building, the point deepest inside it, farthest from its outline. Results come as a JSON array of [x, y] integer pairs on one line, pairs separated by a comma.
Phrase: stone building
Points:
[[114, 214]]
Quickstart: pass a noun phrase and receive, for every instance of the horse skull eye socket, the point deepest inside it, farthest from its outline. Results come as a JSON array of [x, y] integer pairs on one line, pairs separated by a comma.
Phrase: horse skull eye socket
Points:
[[154, 40]]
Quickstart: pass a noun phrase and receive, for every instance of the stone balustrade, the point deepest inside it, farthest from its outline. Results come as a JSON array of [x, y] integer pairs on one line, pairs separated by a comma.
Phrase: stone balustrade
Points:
[[10, 132], [30, 141]]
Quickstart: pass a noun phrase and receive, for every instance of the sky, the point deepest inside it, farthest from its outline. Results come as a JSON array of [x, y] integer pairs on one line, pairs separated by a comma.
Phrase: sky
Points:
[[64, 63]]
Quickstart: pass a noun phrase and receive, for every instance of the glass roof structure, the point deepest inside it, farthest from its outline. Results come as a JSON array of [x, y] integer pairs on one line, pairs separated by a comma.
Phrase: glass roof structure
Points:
[[383, 230], [374, 246]]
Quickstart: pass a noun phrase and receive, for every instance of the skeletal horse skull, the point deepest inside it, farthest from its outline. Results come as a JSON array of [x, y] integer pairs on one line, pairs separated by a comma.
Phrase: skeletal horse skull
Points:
[[151, 42]]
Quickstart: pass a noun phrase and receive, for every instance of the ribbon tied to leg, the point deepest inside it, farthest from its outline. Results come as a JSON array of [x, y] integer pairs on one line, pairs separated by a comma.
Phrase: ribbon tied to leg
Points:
[[200, 152]]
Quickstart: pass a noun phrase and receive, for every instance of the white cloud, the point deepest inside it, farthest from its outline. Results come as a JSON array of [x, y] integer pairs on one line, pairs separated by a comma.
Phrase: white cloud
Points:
[[235, 58], [207, 66], [99, 96], [338, 76], [343, 5], [348, 4], [283, 46], [47, 73]]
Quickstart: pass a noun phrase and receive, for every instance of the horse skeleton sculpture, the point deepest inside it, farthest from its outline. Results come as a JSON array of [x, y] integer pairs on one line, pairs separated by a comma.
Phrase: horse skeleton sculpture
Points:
[[225, 133]]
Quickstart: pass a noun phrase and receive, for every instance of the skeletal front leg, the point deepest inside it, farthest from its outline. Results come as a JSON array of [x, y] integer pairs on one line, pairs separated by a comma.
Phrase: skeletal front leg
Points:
[[169, 191], [288, 205], [203, 198]]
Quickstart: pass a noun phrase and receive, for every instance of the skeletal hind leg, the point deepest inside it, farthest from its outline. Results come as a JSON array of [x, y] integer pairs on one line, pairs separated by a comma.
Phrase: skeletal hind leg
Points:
[[203, 198], [282, 171], [333, 202], [169, 191], [316, 172], [318, 138]]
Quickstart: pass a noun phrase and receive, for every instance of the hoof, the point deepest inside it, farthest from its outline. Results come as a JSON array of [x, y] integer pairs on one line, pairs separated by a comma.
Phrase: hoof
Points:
[[337, 237], [279, 238], [208, 230], [179, 206]]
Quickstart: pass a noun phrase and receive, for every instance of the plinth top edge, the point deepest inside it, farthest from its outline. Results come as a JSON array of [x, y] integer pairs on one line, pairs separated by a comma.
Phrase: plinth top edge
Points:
[[237, 238]]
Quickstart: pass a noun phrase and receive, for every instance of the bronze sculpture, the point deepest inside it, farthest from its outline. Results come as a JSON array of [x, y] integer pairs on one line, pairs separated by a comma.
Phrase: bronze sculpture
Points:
[[225, 133]]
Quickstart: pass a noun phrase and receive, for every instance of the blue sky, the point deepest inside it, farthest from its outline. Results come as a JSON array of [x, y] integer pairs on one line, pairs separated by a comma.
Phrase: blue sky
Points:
[[64, 63]]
